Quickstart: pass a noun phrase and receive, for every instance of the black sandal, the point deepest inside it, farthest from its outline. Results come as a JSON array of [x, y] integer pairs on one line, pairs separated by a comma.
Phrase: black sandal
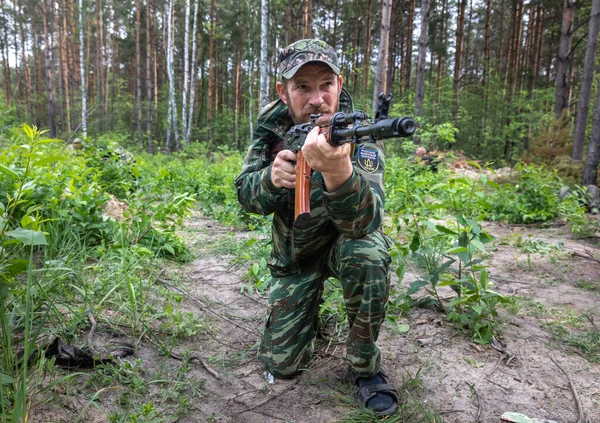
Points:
[[366, 389]]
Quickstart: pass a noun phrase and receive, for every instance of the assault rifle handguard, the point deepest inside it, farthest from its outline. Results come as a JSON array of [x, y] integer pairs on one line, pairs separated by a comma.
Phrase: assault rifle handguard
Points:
[[340, 128]]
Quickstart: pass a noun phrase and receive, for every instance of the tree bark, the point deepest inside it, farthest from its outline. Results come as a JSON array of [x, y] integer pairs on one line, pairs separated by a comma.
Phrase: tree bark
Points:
[[82, 74], [138, 72], [193, 75], [380, 70], [420, 73], [148, 82], [586, 81], [459, 53], [590, 171], [264, 65], [48, 72], [186, 71], [307, 19], [367, 64], [211, 68], [564, 57]]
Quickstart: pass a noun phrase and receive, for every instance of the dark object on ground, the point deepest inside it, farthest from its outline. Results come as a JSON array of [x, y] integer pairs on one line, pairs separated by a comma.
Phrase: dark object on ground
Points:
[[375, 393]]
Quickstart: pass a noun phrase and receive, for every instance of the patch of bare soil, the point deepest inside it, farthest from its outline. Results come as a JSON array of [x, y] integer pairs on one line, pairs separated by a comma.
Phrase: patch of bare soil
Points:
[[531, 370]]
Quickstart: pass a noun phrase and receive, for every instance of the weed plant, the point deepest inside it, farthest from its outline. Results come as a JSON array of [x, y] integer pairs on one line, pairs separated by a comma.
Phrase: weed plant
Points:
[[64, 259], [450, 251]]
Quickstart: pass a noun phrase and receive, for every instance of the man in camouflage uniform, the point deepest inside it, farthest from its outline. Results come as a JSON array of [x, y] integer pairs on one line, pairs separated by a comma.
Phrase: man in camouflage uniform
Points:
[[343, 237]]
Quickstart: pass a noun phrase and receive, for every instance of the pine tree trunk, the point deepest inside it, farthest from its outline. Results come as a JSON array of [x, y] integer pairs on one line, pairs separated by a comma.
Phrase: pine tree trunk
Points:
[[99, 64], [564, 57], [367, 65], [82, 74], [190, 117], [48, 72], [186, 71], [211, 66], [383, 51], [586, 81], [138, 73], [148, 82], [409, 46], [590, 171], [307, 19], [65, 68], [459, 53], [420, 72], [264, 65]]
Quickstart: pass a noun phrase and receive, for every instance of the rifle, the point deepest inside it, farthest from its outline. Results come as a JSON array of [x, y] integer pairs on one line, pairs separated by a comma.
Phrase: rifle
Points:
[[340, 128]]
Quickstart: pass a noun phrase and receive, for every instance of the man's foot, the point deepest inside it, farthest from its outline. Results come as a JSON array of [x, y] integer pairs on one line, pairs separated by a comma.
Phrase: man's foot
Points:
[[375, 393]]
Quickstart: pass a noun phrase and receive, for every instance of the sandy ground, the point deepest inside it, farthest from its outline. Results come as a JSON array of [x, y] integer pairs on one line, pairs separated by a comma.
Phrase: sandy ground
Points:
[[527, 371]]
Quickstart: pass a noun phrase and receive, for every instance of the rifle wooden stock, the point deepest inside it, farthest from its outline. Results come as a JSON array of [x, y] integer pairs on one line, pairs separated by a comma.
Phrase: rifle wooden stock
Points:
[[302, 194]]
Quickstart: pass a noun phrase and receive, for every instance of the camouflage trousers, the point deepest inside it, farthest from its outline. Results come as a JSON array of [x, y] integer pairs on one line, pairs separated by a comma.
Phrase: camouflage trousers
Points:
[[362, 265]]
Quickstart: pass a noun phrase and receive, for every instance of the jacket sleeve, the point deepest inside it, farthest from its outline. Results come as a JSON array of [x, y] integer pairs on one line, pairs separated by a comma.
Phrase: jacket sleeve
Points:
[[356, 208], [255, 190]]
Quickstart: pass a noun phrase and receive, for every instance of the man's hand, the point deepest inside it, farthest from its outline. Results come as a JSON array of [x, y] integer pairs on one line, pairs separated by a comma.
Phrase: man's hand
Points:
[[332, 161], [283, 172]]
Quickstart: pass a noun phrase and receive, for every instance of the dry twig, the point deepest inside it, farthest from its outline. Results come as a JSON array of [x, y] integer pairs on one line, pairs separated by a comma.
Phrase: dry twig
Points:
[[580, 412]]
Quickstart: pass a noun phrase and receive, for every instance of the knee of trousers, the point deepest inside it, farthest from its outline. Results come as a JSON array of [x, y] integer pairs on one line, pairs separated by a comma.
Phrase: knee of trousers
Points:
[[364, 256]]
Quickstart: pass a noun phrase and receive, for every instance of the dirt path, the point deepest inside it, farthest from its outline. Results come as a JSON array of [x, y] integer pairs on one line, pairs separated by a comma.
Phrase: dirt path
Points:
[[537, 369]]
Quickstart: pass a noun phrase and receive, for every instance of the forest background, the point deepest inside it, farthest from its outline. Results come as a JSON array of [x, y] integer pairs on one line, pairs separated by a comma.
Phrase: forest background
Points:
[[95, 237], [511, 79]]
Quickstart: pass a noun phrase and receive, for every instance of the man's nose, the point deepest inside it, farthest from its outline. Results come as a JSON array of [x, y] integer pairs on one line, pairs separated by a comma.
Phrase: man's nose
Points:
[[316, 98]]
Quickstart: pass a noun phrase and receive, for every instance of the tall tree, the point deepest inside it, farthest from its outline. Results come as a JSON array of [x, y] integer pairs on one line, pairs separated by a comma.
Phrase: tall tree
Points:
[[420, 73], [458, 65], [563, 66], [590, 170], [193, 75], [48, 72], [138, 72], [82, 73], [186, 70], [264, 65], [380, 70], [148, 82], [586, 81], [307, 9]]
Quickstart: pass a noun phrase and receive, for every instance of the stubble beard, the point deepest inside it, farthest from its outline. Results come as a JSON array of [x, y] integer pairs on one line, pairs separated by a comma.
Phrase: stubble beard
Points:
[[303, 116]]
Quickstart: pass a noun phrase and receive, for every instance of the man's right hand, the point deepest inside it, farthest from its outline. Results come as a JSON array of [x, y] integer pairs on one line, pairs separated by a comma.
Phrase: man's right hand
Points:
[[283, 172]]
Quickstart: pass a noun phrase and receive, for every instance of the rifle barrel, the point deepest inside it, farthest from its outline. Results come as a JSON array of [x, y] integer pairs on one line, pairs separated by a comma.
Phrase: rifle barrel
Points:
[[385, 128]]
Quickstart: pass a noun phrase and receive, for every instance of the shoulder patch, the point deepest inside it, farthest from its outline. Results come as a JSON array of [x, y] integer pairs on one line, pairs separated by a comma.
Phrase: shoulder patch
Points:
[[368, 159]]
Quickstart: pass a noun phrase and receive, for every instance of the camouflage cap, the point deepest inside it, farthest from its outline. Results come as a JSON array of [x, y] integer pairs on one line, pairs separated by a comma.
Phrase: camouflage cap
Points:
[[292, 57]]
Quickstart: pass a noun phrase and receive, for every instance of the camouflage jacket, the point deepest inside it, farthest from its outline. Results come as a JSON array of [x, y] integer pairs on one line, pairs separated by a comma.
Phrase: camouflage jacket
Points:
[[354, 210]]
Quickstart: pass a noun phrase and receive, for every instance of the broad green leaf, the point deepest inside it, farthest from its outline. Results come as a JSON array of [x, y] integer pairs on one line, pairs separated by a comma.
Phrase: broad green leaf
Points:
[[415, 243], [47, 160], [477, 309], [456, 250], [28, 237], [6, 379], [445, 230], [403, 328], [8, 171], [477, 244]]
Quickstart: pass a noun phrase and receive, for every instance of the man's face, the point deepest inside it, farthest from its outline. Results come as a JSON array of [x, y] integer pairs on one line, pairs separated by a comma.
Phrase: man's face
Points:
[[313, 89]]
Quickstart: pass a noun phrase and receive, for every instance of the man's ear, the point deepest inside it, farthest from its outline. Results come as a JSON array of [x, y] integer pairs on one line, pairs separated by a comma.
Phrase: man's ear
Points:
[[341, 80], [281, 92]]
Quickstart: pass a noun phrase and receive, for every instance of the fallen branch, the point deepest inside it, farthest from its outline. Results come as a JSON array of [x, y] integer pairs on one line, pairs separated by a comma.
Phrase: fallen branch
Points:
[[588, 256], [177, 357], [580, 412]]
